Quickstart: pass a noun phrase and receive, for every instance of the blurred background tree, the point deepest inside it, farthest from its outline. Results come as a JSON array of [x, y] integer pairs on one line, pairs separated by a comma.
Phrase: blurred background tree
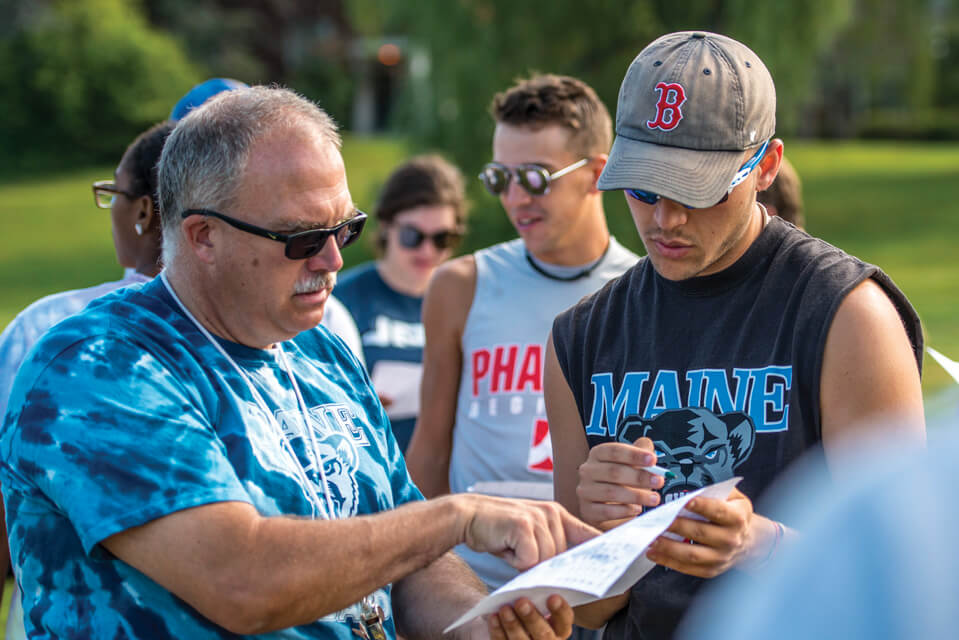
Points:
[[82, 76], [843, 68], [301, 44], [478, 47], [79, 78]]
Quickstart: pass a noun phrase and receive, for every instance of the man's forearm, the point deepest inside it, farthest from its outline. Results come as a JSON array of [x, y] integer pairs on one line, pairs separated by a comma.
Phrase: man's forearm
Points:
[[252, 574], [369, 552], [427, 601]]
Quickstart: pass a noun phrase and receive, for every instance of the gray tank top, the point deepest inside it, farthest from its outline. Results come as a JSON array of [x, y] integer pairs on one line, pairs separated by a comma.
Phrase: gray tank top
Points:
[[501, 431]]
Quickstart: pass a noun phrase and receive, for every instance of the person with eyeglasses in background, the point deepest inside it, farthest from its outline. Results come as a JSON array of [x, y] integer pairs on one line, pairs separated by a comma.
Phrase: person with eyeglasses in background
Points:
[[193, 458], [737, 344], [421, 218], [135, 220], [134, 212], [482, 423]]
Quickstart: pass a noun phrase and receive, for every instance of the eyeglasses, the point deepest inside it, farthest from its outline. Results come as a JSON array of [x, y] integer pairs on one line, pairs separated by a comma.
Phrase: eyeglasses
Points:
[[411, 237], [651, 198], [104, 191], [534, 178], [300, 245]]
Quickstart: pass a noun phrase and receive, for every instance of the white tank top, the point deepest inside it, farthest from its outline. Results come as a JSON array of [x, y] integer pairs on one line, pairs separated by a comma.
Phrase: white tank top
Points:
[[501, 432]]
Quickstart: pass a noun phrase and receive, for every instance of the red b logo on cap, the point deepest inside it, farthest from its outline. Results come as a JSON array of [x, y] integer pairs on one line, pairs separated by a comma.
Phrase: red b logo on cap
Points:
[[668, 112]]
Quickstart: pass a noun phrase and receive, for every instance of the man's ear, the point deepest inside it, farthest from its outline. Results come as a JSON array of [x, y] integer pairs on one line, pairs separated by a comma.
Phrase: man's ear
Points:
[[769, 165], [199, 237], [596, 166]]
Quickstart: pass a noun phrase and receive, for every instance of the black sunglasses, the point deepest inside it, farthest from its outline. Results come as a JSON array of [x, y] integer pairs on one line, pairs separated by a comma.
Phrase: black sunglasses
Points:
[[300, 245], [411, 237], [534, 178]]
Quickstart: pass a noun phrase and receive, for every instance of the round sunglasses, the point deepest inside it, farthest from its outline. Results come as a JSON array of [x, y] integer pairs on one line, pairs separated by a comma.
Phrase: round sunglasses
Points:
[[299, 245], [651, 198], [534, 178], [411, 238]]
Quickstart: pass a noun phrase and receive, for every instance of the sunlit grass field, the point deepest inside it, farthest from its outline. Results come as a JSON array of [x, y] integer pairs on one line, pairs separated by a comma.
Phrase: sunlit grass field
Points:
[[896, 205], [5, 606]]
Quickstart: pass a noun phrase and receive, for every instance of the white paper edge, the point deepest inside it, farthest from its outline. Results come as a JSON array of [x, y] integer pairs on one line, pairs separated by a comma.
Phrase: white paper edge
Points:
[[514, 489], [951, 366], [400, 381]]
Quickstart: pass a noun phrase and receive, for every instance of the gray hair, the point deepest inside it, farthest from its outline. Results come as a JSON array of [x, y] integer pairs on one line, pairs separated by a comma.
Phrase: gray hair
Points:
[[204, 159]]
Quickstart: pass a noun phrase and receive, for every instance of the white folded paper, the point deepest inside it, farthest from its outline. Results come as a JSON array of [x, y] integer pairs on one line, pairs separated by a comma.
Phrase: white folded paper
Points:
[[400, 382], [600, 568]]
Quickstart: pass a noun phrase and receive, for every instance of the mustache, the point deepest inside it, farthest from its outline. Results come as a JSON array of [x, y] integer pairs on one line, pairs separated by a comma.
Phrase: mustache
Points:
[[315, 282], [659, 236]]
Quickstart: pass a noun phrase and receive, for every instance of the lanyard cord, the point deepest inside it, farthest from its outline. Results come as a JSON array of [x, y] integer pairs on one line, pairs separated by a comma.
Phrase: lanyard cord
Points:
[[371, 613], [258, 398], [305, 414]]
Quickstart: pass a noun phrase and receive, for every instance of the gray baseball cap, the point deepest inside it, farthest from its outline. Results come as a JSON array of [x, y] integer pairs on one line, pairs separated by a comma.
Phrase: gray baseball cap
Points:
[[690, 104]]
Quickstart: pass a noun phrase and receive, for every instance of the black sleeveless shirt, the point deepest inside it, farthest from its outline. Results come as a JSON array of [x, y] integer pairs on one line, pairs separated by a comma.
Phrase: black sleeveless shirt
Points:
[[720, 371]]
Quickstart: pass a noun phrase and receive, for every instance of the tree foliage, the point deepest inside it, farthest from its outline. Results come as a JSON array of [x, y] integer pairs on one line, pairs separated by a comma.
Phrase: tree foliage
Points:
[[478, 47], [303, 45], [78, 80]]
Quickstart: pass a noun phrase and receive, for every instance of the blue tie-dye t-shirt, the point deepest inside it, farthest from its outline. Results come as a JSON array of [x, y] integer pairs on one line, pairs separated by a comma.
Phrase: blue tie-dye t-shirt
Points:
[[126, 413]]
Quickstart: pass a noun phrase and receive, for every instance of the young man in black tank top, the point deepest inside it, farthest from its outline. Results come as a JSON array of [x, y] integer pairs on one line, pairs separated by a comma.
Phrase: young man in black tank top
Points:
[[735, 346]]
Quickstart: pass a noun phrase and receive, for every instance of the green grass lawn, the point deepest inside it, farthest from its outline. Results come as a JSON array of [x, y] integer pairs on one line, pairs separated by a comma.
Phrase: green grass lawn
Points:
[[895, 205], [5, 606], [891, 204], [53, 238]]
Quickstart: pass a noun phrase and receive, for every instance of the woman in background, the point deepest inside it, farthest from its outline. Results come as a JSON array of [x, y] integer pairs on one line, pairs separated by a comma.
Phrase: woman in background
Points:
[[135, 222], [421, 216]]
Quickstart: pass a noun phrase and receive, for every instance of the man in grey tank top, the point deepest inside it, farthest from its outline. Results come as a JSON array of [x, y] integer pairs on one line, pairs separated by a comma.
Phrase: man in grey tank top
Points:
[[738, 344], [487, 315]]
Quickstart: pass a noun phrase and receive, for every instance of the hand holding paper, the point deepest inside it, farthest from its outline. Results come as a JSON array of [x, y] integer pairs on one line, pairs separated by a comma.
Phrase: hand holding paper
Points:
[[522, 619], [599, 568], [616, 482], [721, 530]]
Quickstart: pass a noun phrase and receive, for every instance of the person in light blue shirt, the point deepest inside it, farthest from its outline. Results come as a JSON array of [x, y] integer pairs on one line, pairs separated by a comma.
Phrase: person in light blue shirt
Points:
[[421, 217], [876, 557], [135, 220], [191, 458]]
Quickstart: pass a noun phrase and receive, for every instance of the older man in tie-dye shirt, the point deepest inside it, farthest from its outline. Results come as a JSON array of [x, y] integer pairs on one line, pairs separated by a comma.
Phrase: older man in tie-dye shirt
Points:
[[190, 458]]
